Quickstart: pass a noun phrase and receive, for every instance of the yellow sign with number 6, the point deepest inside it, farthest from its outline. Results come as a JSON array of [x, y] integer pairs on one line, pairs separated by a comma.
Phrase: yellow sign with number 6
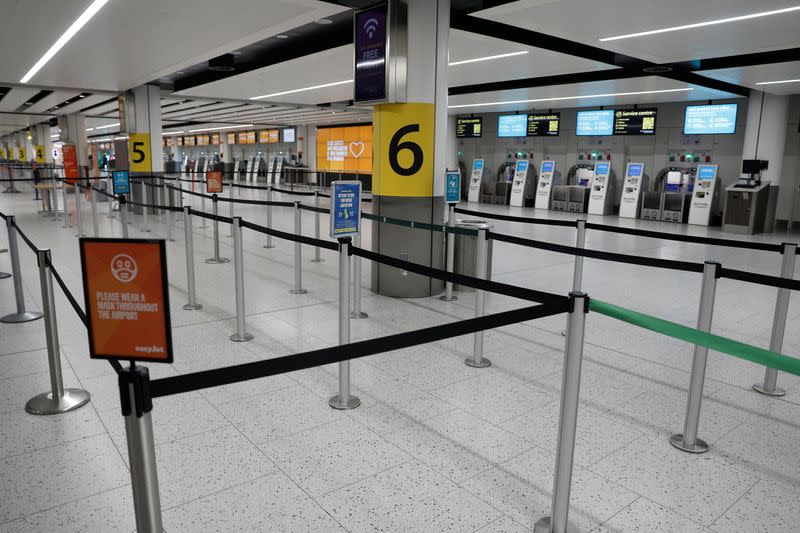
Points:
[[139, 152], [403, 149]]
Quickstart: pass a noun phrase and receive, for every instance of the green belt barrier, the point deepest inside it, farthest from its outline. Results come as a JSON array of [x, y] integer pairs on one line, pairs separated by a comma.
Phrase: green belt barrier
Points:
[[709, 340], [420, 225]]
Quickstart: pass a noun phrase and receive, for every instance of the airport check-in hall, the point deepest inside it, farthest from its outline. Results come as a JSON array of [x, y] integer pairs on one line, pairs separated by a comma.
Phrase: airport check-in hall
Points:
[[399, 266]]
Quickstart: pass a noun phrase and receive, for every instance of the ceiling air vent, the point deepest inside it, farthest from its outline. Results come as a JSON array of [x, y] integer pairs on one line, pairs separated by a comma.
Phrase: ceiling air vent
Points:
[[223, 63], [657, 70]]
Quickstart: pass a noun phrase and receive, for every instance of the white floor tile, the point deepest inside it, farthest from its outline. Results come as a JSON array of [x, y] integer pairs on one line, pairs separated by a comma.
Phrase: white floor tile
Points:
[[644, 516]]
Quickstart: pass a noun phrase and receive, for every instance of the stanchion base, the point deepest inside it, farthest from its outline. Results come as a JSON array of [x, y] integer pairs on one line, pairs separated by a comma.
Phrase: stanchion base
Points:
[[217, 260], [362, 314], [3, 250], [298, 291], [4, 275], [244, 338], [268, 246], [195, 307], [777, 392], [483, 363], [320, 260], [336, 403], [543, 526], [45, 404], [146, 230], [16, 318], [700, 446], [446, 299]]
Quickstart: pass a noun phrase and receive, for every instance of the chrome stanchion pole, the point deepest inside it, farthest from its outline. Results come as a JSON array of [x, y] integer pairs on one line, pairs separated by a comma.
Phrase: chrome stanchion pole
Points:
[[123, 215], [66, 206], [238, 268], [19, 296], [357, 312], [344, 400], [95, 225], [137, 404], [688, 441], [577, 272], [317, 257], [145, 214], [189, 246], [170, 223], [451, 253], [110, 188], [216, 259], [230, 193], [203, 223], [54, 192], [59, 399], [269, 217], [770, 385], [298, 253], [477, 360], [558, 521], [78, 214]]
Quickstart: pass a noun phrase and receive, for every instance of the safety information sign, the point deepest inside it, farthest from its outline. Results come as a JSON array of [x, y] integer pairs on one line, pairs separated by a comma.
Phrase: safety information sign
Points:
[[345, 208], [127, 299], [214, 182], [121, 182], [452, 187]]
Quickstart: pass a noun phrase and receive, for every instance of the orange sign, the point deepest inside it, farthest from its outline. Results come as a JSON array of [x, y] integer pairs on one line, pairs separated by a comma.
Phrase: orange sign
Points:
[[213, 182], [71, 171], [127, 299], [274, 136], [347, 148]]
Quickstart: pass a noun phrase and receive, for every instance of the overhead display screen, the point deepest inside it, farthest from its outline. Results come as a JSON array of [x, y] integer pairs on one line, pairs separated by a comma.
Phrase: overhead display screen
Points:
[[469, 127], [512, 125], [371, 49], [600, 122], [543, 124], [289, 135], [346, 148], [715, 119], [635, 121]]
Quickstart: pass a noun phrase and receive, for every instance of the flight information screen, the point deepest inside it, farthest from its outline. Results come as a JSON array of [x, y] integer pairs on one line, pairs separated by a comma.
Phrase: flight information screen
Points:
[[714, 119], [600, 122], [543, 124], [635, 121], [469, 127], [512, 125]]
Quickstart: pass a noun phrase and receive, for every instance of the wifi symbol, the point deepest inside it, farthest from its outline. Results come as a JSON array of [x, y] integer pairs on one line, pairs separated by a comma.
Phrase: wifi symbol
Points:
[[370, 26]]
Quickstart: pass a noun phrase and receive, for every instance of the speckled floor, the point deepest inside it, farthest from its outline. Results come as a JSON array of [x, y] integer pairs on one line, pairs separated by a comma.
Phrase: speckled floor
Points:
[[435, 445]]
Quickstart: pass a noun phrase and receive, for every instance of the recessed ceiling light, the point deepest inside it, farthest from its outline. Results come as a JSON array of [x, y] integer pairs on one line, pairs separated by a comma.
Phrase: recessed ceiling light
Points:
[[701, 24], [313, 87], [487, 58], [81, 96], [778, 81], [222, 128], [76, 26], [570, 98], [281, 36], [323, 22], [180, 72]]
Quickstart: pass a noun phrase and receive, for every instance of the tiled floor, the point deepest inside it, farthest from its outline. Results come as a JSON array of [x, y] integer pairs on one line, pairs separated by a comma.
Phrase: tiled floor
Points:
[[436, 445]]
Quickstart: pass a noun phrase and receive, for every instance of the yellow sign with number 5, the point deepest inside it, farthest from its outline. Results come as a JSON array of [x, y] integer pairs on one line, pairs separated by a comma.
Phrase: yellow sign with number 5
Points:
[[139, 152]]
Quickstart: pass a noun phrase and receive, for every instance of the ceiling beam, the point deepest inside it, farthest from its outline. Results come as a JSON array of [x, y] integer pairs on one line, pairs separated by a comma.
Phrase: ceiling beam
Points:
[[741, 60], [545, 81]]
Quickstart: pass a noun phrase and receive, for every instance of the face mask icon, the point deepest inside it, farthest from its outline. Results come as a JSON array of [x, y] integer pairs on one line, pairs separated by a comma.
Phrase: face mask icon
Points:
[[123, 268]]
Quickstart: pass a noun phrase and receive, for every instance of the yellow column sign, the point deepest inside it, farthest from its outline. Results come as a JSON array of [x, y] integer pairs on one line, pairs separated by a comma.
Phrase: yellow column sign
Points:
[[2, 153], [40, 154], [21, 155], [139, 152], [403, 145]]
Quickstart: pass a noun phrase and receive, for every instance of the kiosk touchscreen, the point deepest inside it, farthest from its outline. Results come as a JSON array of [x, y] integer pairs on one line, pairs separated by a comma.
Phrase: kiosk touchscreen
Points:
[[636, 181], [704, 195], [519, 184], [601, 198], [547, 178], [475, 181]]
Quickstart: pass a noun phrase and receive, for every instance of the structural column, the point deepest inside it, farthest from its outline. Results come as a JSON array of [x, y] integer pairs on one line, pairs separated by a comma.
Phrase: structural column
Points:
[[142, 122]]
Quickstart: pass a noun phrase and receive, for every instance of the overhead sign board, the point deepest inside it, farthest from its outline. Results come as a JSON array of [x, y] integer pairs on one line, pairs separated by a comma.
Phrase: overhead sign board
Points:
[[372, 54], [127, 299], [345, 208], [452, 187], [635, 121], [469, 127], [543, 124], [121, 182], [214, 182]]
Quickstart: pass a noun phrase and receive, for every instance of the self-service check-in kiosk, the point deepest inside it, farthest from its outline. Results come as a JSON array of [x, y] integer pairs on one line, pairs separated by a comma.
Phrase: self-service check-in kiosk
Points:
[[549, 177], [705, 196], [574, 196], [522, 188], [603, 191], [476, 180], [633, 188], [672, 194]]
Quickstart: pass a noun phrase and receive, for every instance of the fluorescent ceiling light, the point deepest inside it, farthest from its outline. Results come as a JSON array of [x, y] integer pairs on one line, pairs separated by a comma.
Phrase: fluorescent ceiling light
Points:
[[700, 24], [222, 128], [64, 39], [488, 58], [313, 87], [571, 97], [114, 125], [89, 129], [779, 81], [55, 136], [172, 133]]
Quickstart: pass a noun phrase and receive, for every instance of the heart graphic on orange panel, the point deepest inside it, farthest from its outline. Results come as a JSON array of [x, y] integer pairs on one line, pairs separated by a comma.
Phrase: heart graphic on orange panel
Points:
[[356, 148]]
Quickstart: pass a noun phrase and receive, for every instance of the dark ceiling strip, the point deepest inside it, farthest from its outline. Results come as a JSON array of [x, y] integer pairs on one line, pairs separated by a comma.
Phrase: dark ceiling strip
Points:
[[741, 60], [545, 81], [705, 81], [101, 104]]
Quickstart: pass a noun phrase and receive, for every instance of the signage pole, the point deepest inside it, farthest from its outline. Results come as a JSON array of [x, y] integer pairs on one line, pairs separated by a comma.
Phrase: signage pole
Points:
[[269, 217], [357, 312], [344, 400], [317, 258], [477, 360], [123, 215], [298, 253], [21, 315], [451, 253], [189, 245], [216, 259], [59, 399], [238, 268], [95, 225]]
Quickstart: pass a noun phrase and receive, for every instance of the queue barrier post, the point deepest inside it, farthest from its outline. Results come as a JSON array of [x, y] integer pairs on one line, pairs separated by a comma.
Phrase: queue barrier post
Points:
[[137, 404], [230, 195], [481, 265], [170, 238], [216, 259], [241, 334], [577, 269], [78, 214], [145, 214], [54, 192], [298, 253], [93, 200], [317, 256], [357, 313], [189, 246], [123, 215], [203, 223], [344, 400], [688, 440], [770, 385], [110, 187], [269, 217], [58, 399], [64, 202], [451, 253], [19, 296], [558, 521]]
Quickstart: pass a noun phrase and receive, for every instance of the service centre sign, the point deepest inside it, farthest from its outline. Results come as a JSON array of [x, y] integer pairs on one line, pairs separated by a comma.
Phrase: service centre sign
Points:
[[127, 299]]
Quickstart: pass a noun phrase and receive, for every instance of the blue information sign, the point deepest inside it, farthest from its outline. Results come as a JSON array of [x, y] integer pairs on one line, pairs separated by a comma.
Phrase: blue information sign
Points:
[[122, 184], [452, 187], [345, 208]]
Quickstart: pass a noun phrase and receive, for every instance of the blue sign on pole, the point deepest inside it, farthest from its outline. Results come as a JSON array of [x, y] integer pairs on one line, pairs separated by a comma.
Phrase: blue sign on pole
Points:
[[452, 187], [345, 208], [122, 184]]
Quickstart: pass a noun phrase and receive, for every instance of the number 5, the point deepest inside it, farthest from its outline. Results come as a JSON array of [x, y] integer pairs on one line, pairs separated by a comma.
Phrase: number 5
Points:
[[138, 153]]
